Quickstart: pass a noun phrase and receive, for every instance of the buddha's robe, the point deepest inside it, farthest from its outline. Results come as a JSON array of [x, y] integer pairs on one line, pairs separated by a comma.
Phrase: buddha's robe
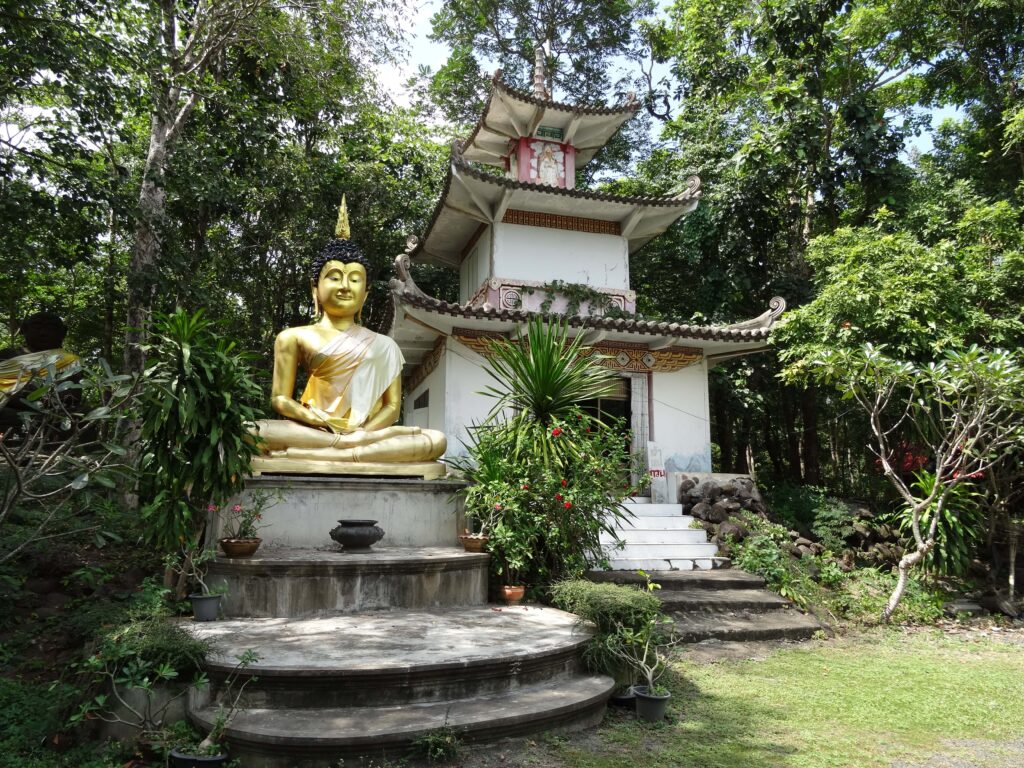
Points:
[[46, 365], [349, 374]]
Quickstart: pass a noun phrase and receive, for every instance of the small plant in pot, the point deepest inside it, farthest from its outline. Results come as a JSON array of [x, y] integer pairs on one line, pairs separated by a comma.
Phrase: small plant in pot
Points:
[[242, 524], [511, 546], [646, 650], [189, 566], [211, 751]]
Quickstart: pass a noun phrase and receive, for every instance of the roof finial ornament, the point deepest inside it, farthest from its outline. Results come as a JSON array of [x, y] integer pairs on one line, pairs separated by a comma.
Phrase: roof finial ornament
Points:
[[540, 74]]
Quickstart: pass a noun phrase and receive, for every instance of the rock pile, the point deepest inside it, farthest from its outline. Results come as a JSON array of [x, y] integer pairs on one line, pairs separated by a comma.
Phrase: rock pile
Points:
[[717, 504]]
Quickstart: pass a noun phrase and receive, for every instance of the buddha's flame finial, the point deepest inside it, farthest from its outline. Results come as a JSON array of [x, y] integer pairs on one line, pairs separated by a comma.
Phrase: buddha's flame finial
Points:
[[341, 229]]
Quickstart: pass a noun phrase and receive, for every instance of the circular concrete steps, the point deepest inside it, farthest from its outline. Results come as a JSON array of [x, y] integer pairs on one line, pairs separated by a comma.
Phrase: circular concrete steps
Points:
[[319, 738], [389, 657], [370, 684], [292, 582]]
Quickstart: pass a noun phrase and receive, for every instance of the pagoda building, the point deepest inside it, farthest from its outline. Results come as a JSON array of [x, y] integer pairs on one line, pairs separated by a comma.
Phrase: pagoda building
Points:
[[525, 241]]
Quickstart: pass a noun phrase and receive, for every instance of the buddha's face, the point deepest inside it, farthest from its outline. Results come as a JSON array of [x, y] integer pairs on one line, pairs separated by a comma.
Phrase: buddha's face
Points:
[[341, 289]]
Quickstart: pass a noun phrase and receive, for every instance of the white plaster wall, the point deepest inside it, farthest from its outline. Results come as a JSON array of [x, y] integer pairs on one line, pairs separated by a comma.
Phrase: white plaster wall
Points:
[[431, 417], [535, 253], [681, 418], [464, 379], [475, 268]]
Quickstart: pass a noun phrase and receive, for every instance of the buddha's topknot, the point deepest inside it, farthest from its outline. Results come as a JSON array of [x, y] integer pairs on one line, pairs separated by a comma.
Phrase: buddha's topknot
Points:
[[344, 251]]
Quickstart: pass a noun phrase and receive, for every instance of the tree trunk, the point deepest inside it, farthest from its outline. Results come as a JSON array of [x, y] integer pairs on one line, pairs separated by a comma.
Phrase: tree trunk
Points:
[[907, 562], [792, 436], [811, 443], [1011, 580], [724, 435], [771, 445], [146, 254], [108, 289]]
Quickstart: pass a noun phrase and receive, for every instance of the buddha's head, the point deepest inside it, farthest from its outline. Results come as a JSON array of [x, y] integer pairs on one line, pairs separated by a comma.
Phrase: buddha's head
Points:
[[340, 279]]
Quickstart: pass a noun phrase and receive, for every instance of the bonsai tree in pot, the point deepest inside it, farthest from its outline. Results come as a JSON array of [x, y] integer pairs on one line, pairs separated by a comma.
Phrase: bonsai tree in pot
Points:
[[211, 750], [190, 569], [194, 449], [646, 649]]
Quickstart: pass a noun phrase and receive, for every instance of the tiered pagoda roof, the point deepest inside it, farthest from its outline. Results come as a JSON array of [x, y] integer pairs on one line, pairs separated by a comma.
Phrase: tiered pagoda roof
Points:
[[511, 113], [472, 197]]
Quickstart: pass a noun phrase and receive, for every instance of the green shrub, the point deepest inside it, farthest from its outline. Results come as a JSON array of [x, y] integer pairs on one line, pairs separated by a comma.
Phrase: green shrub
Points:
[[810, 509], [606, 606], [620, 613], [960, 528], [866, 591]]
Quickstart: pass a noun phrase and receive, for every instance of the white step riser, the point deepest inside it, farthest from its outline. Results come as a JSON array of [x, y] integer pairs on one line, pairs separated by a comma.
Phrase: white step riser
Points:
[[684, 536], [664, 551], [657, 524], [671, 564], [655, 510]]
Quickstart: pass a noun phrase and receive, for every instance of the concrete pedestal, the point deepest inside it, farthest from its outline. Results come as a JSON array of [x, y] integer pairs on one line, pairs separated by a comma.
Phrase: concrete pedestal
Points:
[[413, 513]]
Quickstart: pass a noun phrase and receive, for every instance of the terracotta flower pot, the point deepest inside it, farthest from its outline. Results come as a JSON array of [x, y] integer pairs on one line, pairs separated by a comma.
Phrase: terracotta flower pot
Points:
[[240, 547], [513, 595], [473, 542]]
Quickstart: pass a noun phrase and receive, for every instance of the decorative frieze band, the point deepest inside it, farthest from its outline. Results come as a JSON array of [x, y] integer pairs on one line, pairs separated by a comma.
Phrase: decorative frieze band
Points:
[[557, 221], [618, 356]]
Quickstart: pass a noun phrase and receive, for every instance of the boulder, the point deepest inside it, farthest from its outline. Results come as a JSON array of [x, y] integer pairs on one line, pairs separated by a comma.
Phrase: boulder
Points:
[[804, 550], [701, 511], [710, 490], [730, 528], [729, 489], [686, 485], [719, 512], [802, 542]]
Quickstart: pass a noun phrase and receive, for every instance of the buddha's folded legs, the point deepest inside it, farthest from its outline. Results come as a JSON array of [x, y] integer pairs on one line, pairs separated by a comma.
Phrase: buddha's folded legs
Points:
[[282, 434], [425, 445]]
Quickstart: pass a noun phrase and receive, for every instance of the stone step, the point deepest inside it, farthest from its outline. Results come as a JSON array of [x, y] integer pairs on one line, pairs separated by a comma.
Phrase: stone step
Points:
[[292, 582], [729, 578], [674, 523], [392, 657], [655, 510], [739, 625], [677, 564], [319, 738], [658, 536], [719, 600], [664, 551]]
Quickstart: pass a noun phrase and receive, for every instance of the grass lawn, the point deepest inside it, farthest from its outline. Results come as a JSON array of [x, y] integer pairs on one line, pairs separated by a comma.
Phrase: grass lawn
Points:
[[883, 698]]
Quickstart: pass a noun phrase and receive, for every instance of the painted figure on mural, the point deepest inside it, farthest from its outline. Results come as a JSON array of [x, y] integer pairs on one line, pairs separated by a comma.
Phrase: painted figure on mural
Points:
[[353, 396], [547, 167]]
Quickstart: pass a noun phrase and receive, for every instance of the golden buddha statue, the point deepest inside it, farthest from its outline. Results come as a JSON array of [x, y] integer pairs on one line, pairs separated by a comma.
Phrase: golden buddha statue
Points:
[[344, 421]]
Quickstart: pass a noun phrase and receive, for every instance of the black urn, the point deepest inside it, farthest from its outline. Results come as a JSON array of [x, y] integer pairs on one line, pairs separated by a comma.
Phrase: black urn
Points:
[[357, 535]]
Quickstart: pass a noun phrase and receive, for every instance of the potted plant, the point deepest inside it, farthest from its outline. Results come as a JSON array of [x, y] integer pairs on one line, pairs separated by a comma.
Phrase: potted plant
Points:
[[211, 751], [512, 546], [189, 566], [646, 650], [241, 524]]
